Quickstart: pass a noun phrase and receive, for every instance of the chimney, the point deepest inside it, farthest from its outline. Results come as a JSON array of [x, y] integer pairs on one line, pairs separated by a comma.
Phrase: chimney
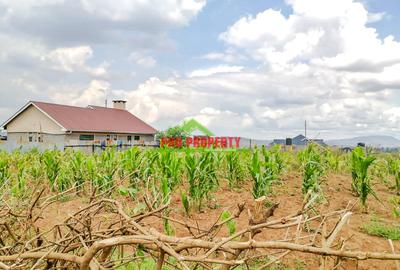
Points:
[[119, 104]]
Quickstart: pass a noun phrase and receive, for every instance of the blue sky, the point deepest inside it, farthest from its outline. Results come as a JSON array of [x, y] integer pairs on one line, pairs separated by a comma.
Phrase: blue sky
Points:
[[249, 68]]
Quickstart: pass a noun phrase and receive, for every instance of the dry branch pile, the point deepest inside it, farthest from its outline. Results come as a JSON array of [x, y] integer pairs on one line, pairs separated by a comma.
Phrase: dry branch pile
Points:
[[103, 235]]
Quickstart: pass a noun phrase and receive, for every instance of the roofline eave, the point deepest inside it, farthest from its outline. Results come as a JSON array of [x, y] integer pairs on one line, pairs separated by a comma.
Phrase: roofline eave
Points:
[[24, 108], [113, 132]]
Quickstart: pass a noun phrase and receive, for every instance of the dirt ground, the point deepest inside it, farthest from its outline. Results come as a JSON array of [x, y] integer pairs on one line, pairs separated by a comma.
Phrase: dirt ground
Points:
[[288, 194]]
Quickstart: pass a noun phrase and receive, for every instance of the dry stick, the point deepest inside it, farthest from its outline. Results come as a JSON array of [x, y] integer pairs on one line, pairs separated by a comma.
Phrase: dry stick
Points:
[[4, 266], [394, 252], [185, 224], [93, 264], [151, 237], [338, 228], [146, 239], [160, 260], [15, 238], [328, 241], [274, 260], [259, 216], [337, 259], [37, 255], [34, 203], [151, 213], [323, 261], [41, 259], [91, 252], [298, 231], [360, 255], [249, 229]]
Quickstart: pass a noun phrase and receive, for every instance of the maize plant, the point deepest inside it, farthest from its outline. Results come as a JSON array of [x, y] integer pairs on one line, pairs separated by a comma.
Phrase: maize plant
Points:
[[234, 167], [107, 167], [51, 160], [20, 177], [165, 190], [209, 163], [90, 169], [35, 169], [131, 165], [148, 168], [185, 202], [360, 162], [77, 166], [201, 175], [262, 173], [169, 165], [332, 160], [4, 168], [393, 165], [64, 179], [278, 159], [230, 223], [313, 169]]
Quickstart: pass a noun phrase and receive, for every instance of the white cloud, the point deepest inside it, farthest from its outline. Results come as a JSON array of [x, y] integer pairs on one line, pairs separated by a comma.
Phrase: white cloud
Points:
[[74, 59], [331, 34], [176, 11], [215, 70], [143, 60], [254, 31], [375, 17], [94, 94], [68, 59], [230, 56]]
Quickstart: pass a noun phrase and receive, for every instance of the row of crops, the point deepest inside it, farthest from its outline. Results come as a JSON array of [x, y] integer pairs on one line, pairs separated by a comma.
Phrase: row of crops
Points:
[[194, 173]]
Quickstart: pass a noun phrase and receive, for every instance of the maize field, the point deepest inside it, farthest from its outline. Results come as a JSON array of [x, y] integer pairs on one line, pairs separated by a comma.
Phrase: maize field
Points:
[[163, 208]]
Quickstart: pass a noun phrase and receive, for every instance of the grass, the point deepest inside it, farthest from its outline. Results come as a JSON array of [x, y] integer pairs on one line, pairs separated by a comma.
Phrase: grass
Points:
[[377, 228]]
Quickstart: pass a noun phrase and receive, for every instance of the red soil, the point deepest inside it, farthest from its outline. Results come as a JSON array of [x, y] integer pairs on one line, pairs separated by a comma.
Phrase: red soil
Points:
[[288, 195]]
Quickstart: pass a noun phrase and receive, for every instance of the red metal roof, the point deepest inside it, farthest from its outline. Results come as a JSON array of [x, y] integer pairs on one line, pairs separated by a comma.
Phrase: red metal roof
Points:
[[95, 119]]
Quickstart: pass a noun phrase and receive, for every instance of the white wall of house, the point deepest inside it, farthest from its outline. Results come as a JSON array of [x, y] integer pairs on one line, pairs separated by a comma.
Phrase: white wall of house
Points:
[[20, 140], [74, 138], [33, 120], [33, 129]]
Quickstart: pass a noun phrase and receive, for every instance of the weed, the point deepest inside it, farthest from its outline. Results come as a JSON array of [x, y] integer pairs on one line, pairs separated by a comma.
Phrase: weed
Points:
[[377, 228]]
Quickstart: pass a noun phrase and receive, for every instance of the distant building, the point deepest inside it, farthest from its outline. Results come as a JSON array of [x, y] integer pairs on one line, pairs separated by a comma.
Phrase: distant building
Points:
[[299, 140], [48, 126]]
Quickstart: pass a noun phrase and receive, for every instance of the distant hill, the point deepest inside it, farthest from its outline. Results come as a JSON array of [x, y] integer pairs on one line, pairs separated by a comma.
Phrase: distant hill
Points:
[[374, 141]]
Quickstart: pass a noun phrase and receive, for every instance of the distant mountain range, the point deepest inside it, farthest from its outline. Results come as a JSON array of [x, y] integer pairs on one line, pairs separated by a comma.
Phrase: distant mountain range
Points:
[[374, 141]]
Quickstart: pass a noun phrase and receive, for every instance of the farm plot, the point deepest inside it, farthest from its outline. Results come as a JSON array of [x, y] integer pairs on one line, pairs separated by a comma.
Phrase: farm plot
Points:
[[316, 208]]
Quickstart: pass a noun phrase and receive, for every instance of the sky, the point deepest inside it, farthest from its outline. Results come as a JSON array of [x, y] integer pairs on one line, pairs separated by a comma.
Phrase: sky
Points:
[[256, 68]]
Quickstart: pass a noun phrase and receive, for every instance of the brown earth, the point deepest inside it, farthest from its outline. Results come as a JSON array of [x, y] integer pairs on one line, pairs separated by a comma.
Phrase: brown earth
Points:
[[288, 194]]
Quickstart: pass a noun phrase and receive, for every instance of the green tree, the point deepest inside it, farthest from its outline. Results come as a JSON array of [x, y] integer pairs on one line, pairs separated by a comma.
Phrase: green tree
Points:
[[174, 132]]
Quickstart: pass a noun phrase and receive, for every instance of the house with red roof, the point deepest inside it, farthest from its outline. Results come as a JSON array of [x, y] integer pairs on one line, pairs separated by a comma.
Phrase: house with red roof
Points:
[[48, 125]]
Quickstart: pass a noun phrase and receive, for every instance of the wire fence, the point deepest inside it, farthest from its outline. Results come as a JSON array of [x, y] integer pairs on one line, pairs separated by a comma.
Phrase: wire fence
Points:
[[93, 148]]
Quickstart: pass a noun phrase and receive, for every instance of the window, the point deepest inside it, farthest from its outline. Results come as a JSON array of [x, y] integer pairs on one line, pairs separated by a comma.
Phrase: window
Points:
[[129, 138], [39, 137], [137, 138], [115, 137], [86, 137], [30, 137], [108, 137]]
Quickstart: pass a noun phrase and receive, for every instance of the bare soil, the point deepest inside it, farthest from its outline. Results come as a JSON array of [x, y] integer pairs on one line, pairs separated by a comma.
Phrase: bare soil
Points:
[[288, 194]]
